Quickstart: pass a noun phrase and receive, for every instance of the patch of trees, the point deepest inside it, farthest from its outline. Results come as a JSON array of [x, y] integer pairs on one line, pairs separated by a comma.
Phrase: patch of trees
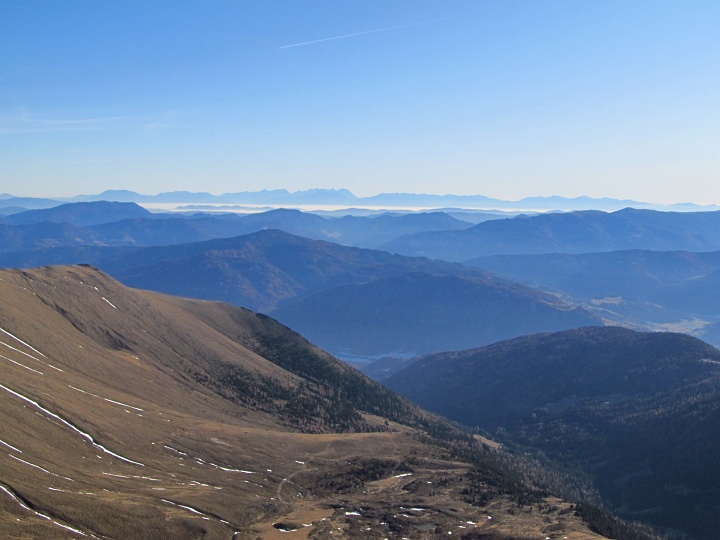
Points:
[[353, 475], [639, 413], [609, 526]]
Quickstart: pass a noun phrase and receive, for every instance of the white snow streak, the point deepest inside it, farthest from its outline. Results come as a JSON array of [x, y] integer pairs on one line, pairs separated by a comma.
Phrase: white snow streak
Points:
[[21, 341], [69, 528], [71, 426], [203, 462], [189, 508], [21, 365], [174, 450], [40, 514], [116, 475], [228, 469], [17, 500], [108, 400], [29, 355], [10, 446], [39, 467], [137, 477], [109, 302]]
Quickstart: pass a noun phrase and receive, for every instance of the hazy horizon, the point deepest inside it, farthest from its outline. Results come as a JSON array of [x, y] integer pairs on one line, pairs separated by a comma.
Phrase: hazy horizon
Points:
[[508, 99], [303, 200]]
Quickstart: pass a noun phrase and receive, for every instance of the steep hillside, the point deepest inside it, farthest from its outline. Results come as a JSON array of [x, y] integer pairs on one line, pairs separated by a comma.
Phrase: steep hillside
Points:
[[575, 232], [418, 313], [639, 412], [261, 270], [128, 414], [42, 236], [350, 301]]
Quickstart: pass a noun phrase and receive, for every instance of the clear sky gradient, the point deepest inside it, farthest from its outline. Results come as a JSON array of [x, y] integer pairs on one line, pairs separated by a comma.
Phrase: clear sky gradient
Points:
[[504, 98]]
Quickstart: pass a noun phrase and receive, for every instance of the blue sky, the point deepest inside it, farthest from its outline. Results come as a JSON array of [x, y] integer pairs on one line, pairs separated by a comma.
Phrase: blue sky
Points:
[[502, 98]]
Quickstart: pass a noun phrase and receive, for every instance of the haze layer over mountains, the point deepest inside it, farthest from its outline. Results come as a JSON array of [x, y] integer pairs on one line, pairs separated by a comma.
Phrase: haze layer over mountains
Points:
[[643, 269], [557, 326]]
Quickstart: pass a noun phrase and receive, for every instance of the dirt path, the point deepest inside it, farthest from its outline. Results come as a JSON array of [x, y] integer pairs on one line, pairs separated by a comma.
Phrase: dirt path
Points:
[[303, 468]]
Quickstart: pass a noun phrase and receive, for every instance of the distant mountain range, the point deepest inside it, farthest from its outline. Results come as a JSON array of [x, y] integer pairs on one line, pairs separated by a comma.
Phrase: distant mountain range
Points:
[[575, 232], [430, 234], [343, 197], [644, 288], [639, 412], [127, 224], [80, 214]]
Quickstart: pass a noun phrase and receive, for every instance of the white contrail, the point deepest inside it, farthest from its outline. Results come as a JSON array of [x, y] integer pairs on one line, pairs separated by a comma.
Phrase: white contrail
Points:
[[361, 33]]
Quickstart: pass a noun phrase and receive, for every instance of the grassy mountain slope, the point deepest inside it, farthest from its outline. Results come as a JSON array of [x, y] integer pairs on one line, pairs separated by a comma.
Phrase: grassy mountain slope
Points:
[[637, 411], [63, 255], [129, 414]]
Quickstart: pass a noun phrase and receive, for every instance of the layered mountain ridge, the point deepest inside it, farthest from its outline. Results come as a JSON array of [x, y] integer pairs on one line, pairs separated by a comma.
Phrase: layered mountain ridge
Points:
[[573, 232]]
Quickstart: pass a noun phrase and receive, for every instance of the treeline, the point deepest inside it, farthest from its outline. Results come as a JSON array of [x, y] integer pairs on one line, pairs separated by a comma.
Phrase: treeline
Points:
[[610, 526]]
